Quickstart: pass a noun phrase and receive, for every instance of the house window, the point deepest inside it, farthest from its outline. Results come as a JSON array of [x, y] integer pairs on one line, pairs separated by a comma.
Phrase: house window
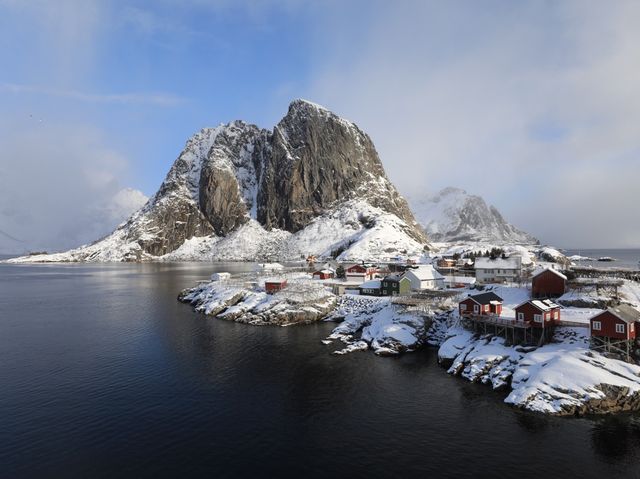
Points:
[[537, 318], [476, 308], [596, 326], [620, 328], [463, 307], [556, 315], [520, 316]]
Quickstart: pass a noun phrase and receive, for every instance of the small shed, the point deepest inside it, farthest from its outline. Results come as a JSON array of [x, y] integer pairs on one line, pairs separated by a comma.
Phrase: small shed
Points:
[[323, 274], [618, 322], [548, 283], [220, 276], [395, 285], [371, 288], [274, 285], [539, 313], [481, 304]]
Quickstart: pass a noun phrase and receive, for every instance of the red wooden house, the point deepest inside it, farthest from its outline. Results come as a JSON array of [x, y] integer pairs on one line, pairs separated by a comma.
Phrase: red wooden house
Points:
[[360, 272], [539, 313], [548, 283], [274, 285], [323, 274], [617, 323], [481, 304]]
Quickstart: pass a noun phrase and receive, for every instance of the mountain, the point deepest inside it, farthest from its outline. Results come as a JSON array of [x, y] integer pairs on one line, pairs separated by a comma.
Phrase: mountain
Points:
[[314, 184], [453, 215]]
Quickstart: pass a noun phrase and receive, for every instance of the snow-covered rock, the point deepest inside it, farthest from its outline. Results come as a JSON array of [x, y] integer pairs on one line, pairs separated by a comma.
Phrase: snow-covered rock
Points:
[[312, 185], [453, 215], [560, 378], [302, 301], [378, 324]]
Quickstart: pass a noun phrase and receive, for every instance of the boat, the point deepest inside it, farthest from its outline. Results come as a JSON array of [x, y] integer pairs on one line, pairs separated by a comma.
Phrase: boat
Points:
[[606, 258]]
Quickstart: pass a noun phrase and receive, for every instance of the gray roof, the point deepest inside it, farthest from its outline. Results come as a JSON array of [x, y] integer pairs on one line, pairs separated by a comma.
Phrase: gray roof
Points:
[[486, 298], [627, 313]]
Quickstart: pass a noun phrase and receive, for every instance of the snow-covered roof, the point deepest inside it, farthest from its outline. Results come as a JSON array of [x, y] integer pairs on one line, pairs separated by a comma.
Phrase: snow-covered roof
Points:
[[485, 298], [512, 262], [460, 279], [627, 313], [324, 271], [558, 273], [373, 284], [425, 272], [544, 304]]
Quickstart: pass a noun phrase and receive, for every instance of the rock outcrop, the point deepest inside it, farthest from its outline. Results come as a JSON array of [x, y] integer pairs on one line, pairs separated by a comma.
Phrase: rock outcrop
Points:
[[312, 165]]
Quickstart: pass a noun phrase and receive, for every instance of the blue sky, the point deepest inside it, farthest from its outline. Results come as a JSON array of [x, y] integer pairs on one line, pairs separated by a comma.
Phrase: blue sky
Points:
[[532, 105]]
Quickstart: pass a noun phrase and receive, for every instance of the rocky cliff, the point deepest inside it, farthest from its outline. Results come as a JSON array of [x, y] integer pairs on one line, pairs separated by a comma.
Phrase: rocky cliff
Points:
[[453, 215], [314, 184]]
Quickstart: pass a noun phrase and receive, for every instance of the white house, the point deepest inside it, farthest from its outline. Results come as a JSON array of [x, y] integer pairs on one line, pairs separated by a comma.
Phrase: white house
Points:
[[498, 270], [424, 276]]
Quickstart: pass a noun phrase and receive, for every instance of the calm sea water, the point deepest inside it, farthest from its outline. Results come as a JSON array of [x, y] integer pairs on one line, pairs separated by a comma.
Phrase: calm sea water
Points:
[[104, 374], [624, 258]]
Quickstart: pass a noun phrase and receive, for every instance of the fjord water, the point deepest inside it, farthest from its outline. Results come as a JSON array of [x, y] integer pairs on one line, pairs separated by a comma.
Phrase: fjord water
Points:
[[104, 374]]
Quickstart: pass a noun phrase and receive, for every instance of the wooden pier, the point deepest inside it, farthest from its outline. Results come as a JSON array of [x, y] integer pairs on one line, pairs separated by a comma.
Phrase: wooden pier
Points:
[[510, 329]]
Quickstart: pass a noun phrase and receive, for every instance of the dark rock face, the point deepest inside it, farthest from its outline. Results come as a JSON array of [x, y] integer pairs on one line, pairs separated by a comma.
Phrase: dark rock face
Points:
[[310, 163], [318, 159], [220, 193]]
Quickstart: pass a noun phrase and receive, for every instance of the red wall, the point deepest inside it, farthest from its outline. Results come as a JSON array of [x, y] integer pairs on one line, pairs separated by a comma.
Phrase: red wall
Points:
[[272, 287], [547, 284], [609, 322], [483, 309], [529, 310]]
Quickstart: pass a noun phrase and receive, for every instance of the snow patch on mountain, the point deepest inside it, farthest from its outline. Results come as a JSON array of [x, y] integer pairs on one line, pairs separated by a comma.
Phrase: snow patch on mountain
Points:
[[454, 215]]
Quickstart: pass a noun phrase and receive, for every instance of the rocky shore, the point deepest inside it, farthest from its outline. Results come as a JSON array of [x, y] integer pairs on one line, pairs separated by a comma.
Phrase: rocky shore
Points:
[[561, 378], [303, 301]]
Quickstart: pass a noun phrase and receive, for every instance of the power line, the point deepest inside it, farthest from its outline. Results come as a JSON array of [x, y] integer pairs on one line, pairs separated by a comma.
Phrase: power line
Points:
[[3, 233]]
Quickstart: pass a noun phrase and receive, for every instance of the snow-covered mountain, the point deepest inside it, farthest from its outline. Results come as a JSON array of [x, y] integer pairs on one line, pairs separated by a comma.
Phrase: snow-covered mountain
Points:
[[312, 185], [453, 215]]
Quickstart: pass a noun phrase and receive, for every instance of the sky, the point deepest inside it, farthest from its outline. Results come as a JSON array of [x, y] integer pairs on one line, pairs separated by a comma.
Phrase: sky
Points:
[[533, 105]]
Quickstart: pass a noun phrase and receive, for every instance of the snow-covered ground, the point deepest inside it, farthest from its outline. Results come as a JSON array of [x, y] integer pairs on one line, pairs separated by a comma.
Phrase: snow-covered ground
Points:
[[302, 301], [376, 323], [355, 230], [563, 377]]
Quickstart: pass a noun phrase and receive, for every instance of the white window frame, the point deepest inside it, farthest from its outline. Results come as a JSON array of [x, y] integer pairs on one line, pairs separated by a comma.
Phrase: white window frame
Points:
[[537, 318], [556, 314], [520, 316], [463, 307], [596, 326], [476, 308], [620, 329]]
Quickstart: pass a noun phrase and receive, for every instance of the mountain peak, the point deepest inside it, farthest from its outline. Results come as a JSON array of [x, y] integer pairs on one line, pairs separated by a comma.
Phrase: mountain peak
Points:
[[312, 185], [452, 214]]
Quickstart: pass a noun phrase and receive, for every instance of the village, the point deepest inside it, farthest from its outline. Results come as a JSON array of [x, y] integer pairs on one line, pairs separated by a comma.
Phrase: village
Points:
[[542, 295]]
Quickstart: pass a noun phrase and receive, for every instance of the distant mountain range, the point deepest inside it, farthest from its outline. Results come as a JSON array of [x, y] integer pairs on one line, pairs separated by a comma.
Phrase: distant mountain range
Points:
[[453, 215]]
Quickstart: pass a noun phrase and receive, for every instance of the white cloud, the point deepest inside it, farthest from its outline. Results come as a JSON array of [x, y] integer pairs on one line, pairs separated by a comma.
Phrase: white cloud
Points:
[[59, 187], [161, 99], [516, 103]]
